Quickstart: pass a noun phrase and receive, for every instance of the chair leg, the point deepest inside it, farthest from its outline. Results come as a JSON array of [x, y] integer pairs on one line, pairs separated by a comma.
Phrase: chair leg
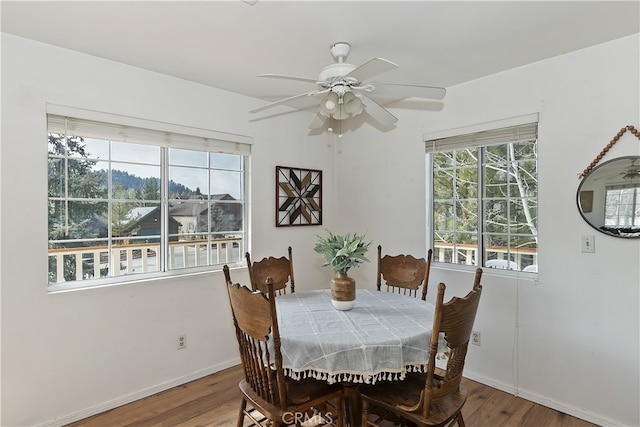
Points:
[[340, 410], [460, 420], [365, 413], [243, 407]]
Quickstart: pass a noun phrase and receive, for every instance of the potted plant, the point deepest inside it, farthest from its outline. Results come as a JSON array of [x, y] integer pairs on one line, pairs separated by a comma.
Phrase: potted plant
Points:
[[342, 253]]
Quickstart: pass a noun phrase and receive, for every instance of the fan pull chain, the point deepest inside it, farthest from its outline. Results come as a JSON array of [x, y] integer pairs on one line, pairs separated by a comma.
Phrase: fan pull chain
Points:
[[608, 147]]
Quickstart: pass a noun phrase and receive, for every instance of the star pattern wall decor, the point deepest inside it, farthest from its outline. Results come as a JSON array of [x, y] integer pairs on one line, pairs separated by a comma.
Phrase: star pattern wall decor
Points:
[[298, 196]]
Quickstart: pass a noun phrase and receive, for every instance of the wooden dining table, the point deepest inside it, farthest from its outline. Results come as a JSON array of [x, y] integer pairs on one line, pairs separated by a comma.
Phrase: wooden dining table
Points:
[[382, 338]]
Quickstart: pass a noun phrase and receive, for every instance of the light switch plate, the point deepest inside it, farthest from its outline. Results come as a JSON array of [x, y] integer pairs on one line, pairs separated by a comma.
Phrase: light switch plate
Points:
[[588, 243]]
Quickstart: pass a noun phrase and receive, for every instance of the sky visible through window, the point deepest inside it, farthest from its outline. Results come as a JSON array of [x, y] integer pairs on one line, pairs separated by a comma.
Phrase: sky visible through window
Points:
[[143, 161]]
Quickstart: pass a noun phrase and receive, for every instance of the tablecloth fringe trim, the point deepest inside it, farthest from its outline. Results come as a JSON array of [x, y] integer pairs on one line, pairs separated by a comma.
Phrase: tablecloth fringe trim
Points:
[[355, 378]]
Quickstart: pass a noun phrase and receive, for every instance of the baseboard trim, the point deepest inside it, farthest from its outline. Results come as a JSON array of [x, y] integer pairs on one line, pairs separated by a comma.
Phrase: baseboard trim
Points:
[[549, 403], [123, 400]]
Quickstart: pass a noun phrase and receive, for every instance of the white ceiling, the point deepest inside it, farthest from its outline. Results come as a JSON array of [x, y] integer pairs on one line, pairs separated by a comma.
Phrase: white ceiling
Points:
[[225, 44]]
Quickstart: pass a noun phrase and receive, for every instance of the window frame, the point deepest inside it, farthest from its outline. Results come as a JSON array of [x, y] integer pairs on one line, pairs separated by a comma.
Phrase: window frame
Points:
[[478, 137], [147, 132]]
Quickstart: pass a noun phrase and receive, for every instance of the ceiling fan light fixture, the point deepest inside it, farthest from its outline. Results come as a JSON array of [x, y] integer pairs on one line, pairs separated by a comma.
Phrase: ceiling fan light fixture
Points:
[[329, 104], [341, 114], [352, 103]]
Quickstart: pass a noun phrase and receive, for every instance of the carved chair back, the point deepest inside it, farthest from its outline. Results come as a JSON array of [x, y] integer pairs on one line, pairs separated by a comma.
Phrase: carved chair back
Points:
[[279, 269], [404, 273], [227, 275]]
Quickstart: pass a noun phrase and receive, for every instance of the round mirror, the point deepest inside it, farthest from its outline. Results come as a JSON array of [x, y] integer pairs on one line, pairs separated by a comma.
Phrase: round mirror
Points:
[[609, 197]]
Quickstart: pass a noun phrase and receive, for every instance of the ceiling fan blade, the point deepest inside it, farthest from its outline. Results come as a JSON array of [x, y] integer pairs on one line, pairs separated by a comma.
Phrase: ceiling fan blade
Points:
[[408, 91], [318, 121], [371, 68], [375, 110], [286, 100], [281, 76]]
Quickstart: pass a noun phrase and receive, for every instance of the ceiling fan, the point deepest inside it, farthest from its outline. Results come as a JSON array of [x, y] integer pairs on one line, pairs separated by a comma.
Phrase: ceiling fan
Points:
[[632, 172], [344, 91]]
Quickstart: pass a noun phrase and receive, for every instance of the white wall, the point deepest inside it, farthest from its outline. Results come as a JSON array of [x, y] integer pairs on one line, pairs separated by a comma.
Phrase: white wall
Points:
[[68, 355], [569, 340]]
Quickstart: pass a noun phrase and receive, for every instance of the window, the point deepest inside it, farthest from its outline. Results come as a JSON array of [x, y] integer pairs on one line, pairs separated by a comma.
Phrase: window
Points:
[[622, 206], [129, 202], [484, 198]]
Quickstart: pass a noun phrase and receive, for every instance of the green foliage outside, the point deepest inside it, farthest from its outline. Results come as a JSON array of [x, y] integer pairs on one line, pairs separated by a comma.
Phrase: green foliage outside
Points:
[[508, 210]]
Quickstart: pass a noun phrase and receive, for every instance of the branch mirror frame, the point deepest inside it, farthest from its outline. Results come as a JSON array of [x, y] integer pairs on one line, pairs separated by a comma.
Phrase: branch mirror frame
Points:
[[608, 196]]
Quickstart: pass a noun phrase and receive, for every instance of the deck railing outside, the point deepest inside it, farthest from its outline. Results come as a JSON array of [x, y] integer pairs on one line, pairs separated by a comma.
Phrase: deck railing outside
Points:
[[466, 254], [143, 257]]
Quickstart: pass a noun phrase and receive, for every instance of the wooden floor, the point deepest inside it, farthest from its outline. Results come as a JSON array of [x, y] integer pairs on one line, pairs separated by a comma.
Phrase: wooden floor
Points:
[[214, 400]]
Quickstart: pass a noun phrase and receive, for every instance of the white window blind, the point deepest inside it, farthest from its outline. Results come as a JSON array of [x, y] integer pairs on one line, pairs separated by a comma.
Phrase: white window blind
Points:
[[127, 129], [514, 129], [482, 139]]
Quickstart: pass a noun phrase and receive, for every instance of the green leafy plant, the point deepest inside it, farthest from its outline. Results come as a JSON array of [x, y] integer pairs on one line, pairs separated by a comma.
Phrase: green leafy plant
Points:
[[342, 252]]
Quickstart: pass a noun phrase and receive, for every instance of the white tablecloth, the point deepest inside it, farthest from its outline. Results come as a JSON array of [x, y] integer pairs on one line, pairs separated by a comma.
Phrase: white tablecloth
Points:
[[383, 337]]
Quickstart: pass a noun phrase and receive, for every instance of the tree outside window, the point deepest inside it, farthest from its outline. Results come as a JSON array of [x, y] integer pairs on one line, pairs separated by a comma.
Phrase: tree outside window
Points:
[[484, 204]]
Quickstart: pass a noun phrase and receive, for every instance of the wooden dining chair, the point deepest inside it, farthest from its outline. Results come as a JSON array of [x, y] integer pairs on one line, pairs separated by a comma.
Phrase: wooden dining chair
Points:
[[274, 399], [477, 278], [227, 275], [279, 269], [437, 397], [404, 273]]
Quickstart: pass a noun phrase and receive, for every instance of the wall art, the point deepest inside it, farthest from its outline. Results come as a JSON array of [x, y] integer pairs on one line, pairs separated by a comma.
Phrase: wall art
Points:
[[298, 196]]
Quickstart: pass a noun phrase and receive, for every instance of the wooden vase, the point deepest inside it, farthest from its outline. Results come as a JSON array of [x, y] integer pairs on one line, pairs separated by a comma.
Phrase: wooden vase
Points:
[[343, 292]]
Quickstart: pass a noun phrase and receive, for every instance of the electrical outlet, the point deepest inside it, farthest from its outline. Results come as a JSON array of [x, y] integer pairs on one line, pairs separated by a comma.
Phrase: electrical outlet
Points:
[[182, 341], [475, 337]]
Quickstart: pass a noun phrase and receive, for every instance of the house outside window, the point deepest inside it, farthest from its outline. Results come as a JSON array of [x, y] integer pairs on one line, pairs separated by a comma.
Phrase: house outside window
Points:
[[483, 198], [128, 202]]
